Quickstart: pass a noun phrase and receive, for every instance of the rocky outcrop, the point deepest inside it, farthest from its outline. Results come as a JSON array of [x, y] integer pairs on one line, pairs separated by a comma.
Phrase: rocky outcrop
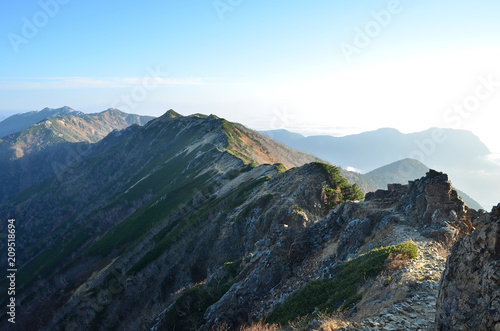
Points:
[[389, 197], [434, 206], [430, 204], [469, 297]]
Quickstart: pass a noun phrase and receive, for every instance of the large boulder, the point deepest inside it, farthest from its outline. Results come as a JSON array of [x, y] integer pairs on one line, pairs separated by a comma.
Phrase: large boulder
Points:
[[469, 296]]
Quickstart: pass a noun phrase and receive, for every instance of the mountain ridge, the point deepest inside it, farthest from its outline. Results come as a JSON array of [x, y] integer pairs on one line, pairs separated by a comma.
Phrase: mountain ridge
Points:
[[186, 223], [157, 176], [22, 121], [399, 172], [54, 144], [19, 122]]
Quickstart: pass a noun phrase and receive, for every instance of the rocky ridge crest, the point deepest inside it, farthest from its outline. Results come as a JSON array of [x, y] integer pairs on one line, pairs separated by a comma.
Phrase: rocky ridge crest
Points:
[[386, 217]]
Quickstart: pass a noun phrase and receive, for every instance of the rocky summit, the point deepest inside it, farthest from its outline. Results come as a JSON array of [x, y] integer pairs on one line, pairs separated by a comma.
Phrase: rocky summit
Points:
[[197, 223]]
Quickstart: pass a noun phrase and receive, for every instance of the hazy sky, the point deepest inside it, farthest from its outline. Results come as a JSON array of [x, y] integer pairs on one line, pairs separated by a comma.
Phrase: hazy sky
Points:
[[332, 67]]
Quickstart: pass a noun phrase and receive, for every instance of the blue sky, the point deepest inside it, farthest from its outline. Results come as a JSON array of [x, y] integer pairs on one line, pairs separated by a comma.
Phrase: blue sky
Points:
[[303, 66]]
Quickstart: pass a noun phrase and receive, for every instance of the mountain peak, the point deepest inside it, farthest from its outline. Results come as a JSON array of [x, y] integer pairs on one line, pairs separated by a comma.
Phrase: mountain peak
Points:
[[387, 133], [64, 109], [172, 114], [199, 115], [389, 130], [20, 122], [411, 167], [112, 111]]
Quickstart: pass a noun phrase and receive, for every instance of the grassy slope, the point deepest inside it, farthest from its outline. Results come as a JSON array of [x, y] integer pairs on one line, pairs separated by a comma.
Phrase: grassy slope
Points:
[[340, 291]]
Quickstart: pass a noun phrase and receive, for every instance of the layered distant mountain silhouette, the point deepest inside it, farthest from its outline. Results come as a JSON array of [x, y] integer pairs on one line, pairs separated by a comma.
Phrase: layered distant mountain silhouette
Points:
[[375, 149], [457, 152]]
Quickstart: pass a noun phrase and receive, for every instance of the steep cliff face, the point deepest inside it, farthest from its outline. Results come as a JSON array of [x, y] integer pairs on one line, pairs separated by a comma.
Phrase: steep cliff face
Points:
[[469, 296]]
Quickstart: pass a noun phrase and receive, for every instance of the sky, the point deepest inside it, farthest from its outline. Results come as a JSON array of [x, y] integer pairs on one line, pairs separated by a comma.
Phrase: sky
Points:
[[315, 67]]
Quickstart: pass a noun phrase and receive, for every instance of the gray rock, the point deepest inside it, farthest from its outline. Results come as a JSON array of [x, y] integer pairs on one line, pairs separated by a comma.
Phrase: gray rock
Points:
[[390, 327], [469, 295]]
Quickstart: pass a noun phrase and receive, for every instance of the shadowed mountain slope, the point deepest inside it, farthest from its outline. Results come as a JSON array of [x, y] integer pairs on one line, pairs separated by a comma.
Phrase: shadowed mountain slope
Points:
[[139, 196]]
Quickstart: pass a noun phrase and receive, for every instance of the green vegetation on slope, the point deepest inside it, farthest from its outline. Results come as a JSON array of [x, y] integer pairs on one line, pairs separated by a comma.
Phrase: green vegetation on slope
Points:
[[232, 133], [340, 190], [187, 312], [341, 291], [280, 167], [171, 186], [51, 258], [236, 146], [167, 236], [142, 220]]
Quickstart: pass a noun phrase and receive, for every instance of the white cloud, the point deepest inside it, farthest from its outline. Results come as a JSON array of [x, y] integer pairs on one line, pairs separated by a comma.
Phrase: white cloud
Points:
[[354, 170], [495, 158]]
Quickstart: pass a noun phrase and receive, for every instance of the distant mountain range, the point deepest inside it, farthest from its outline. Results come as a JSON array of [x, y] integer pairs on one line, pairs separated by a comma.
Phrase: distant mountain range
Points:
[[20, 122], [384, 146], [459, 153], [44, 147]]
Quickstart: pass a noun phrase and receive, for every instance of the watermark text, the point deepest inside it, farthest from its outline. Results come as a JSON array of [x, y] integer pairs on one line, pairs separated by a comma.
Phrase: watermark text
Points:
[[11, 270]]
